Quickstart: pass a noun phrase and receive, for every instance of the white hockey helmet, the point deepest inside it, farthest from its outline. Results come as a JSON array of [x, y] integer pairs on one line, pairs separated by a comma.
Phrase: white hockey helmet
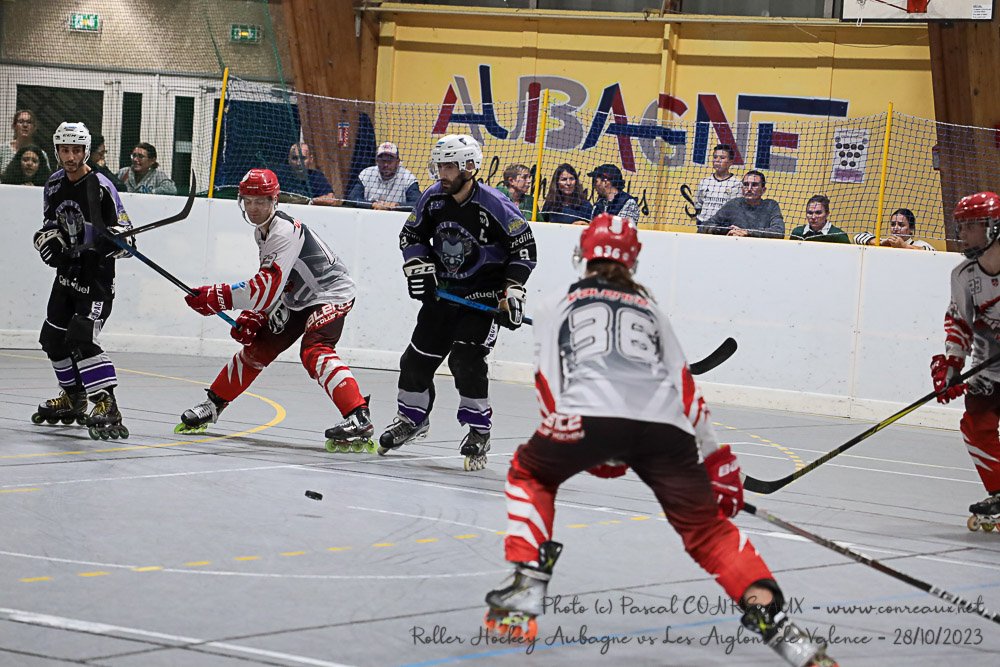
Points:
[[74, 134], [458, 148]]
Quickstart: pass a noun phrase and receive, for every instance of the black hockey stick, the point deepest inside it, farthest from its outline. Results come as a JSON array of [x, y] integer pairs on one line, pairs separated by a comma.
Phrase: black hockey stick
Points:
[[962, 603], [686, 193], [475, 305], [166, 221], [721, 353], [716, 358], [163, 272], [762, 486]]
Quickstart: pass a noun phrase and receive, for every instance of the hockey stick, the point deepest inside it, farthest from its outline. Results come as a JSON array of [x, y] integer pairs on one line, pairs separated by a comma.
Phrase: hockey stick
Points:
[[163, 272], [166, 221], [762, 486], [475, 305], [962, 603], [721, 353], [716, 358]]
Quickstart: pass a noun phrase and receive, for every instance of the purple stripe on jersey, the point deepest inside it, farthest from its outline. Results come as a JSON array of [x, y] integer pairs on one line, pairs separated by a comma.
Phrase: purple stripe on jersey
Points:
[[416, 250], [123, 219], [65, 373], [414, 405], [97, 373], [415, 415], [478, 419]]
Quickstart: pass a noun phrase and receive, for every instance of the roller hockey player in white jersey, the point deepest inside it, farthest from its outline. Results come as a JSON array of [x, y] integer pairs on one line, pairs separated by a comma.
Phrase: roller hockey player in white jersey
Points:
[[302, 290], [615, 393], [468, 239], [80, 208], [972, 328]]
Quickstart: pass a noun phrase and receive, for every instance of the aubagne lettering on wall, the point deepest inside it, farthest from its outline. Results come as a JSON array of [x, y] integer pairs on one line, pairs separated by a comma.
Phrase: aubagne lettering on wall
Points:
[[612, 118]]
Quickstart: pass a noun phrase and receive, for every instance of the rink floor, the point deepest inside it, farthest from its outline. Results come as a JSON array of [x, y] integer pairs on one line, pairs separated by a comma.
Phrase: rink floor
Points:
[[204, 550]]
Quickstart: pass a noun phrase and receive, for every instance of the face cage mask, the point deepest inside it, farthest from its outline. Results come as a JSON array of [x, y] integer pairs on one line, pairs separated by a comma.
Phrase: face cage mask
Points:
[[992, 232], [246, 218]]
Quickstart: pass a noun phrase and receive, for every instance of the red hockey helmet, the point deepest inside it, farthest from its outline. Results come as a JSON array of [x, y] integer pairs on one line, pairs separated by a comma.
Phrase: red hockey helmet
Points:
[[260, 183], [980, 207], [613, 238]]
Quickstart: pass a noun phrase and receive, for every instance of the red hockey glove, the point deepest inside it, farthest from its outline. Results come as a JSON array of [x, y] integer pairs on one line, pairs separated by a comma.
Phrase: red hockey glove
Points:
[[943, 371], [211, 299], [249, 322], [724, 472], [609, 470]]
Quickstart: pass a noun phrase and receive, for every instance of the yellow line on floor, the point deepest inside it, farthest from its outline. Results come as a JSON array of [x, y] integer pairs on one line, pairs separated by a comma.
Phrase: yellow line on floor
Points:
[[279, 417]]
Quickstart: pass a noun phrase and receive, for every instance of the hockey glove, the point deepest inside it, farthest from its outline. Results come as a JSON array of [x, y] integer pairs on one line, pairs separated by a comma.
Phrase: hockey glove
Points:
[[421, 278], [944, 369], [129, 241], [211, 299], [724, 473], [609, 470], [50, 246], [249, 323], [511, 313]]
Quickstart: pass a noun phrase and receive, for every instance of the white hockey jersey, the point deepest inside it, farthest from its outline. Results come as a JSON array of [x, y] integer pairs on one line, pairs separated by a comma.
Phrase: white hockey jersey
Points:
[[296, 267], [972, 323], [713, 193], [607, 352]]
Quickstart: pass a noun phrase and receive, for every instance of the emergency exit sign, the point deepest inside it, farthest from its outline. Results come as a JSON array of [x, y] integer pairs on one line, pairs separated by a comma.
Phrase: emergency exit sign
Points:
[[85, 22], [249, 34]]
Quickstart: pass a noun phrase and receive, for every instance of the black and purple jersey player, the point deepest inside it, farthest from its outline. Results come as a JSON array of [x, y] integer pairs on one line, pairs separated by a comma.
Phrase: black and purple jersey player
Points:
[[80, 208], [471, 240]]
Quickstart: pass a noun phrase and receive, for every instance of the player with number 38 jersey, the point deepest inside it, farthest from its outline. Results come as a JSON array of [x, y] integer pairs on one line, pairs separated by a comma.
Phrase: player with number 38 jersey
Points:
[[616, 393]]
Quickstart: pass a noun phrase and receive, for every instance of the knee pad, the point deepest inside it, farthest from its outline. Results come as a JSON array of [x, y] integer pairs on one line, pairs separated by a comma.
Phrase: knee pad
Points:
[[468, 364], [53, 342], [416, 370], [311, 355]]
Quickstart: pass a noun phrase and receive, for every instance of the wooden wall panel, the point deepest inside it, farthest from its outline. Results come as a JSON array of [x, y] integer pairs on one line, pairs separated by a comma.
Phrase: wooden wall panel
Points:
[[330, 58], [965, 58]]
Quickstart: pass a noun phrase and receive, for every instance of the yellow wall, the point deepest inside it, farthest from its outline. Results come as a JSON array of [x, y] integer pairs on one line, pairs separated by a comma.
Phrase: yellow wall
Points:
[[806, 77]]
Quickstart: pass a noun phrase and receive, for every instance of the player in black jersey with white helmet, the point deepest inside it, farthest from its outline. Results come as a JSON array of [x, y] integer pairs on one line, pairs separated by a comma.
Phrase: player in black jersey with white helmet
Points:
[[468, 239], [81, 207]]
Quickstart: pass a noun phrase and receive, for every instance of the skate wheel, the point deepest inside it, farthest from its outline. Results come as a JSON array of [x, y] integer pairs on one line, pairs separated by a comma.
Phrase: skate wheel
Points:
[[474, 463], [331, 446], [66, 421], [36, 418], [382, 451], [104, 433], [51, 420], [988, 527], [123, 432], [93, 433], [973, 523], [358, 447], [81, 420]]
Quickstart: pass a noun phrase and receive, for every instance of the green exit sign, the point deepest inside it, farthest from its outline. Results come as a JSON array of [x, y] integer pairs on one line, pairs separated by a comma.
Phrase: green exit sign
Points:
[[85, 22], [248, 34]]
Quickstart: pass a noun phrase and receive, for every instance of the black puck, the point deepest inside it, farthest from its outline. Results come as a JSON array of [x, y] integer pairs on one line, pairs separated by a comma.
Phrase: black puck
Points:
[[314, 495]]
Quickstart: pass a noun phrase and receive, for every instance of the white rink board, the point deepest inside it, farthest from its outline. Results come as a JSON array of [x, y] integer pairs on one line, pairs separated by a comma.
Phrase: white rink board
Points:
[[822, 328]]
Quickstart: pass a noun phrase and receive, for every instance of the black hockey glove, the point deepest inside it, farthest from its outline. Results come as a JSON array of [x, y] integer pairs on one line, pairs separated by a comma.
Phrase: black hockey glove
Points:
[[421, 278], [50, 246], [511, 313]]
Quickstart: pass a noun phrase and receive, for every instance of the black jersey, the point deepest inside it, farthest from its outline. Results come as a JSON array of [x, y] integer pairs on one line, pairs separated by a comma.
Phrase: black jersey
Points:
[[79, 210], [478, 245]]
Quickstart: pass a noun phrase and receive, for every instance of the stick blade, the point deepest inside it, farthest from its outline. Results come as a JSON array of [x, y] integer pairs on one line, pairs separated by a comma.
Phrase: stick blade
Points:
[[716, 358]]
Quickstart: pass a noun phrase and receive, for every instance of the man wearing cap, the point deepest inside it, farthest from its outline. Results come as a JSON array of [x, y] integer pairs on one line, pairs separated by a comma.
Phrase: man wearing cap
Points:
[[387, 185], [302, 179], [611, 196]]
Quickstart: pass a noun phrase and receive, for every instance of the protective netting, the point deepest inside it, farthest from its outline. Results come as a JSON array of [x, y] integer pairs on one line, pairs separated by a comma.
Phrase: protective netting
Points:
[[661, 163]]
